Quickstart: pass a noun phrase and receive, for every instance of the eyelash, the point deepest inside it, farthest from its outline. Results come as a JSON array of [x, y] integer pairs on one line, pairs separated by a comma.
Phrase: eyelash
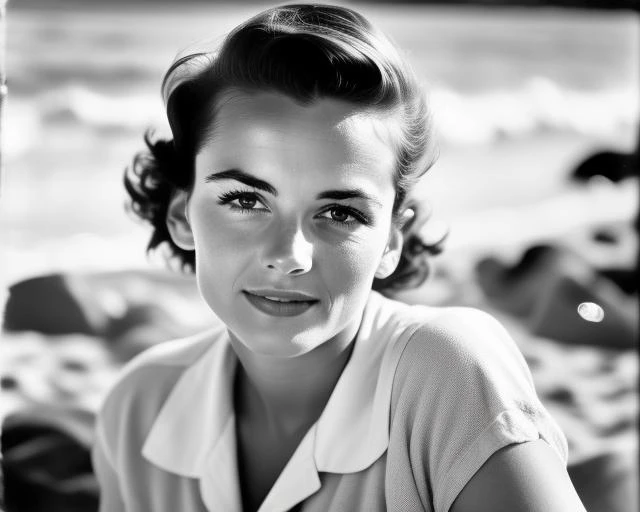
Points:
[[228, 197], [233, 195], [359, 217]]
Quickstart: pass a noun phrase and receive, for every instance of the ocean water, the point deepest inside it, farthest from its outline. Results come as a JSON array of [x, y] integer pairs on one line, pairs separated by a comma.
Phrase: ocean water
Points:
[[84, 85], [491, 73]]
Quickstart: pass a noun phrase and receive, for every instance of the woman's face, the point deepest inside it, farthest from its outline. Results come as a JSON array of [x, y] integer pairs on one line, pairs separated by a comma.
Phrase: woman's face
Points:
[[290, 217]]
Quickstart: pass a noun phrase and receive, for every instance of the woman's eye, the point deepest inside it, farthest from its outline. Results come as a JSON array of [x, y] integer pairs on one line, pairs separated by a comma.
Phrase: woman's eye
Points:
[[243, 201], [339, 214], [344, 216], [247, 202]]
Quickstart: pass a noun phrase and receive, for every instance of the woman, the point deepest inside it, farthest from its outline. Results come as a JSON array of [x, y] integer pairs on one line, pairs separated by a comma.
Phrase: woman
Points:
[[286, 188]]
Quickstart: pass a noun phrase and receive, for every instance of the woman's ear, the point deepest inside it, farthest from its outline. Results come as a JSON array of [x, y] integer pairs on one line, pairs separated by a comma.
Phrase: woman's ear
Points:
[[391, 255], [178, 221]]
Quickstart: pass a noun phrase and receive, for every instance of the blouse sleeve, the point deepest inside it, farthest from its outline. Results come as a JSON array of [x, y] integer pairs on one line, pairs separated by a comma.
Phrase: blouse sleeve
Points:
[[464, 391]]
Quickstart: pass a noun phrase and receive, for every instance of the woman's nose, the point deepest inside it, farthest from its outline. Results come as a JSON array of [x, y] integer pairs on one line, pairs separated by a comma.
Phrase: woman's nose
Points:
[[287, 251]]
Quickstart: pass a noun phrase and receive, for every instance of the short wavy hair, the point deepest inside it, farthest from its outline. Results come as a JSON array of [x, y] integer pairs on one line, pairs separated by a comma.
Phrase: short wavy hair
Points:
[[306, 52]]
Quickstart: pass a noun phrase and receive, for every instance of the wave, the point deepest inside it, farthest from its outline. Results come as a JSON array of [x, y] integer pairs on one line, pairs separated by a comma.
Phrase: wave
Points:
[[539, 106]]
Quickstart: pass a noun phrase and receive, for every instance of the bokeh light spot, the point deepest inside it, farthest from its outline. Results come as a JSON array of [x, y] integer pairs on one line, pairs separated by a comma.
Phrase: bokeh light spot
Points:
[[591, 312]]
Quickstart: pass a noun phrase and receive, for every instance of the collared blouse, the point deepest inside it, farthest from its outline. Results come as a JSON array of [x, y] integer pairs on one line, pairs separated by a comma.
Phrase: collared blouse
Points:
[[428, 395]]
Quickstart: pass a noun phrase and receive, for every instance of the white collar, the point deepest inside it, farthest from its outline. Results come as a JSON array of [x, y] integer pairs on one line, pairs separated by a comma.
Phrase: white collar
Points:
[[194, 433]]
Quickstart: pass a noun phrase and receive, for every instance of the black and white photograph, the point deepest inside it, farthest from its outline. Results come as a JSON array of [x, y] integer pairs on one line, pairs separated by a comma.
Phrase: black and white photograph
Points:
[[350, 256]]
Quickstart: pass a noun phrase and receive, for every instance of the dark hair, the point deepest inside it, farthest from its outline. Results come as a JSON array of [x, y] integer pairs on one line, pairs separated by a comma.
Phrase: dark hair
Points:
[[306, 52]]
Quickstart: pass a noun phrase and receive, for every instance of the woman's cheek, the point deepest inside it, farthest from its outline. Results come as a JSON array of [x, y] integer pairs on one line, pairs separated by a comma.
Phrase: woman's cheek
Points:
[[349, 265], [218, 227]]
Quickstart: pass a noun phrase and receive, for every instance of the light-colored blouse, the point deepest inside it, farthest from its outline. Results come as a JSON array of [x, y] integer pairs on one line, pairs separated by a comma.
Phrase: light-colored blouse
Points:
[[428, 395]]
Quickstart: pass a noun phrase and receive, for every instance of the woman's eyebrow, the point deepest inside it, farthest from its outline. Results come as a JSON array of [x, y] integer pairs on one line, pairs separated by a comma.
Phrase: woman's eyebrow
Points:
[[242, 177], [252, 181], [353, 193]]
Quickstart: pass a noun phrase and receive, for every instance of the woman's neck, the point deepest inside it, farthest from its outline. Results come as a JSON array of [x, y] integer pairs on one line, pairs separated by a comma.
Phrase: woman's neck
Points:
[[287, 395]]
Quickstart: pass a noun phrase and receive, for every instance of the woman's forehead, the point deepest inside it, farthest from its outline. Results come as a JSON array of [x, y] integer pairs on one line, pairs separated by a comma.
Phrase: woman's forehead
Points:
[[270, 131], [325, 119]]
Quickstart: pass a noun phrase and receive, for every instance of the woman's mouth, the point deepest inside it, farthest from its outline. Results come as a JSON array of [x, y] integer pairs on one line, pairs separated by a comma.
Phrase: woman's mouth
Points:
[[279, 303]]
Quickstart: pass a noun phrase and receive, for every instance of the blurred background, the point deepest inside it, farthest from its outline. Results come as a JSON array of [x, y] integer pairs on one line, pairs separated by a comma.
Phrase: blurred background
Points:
[[537, 109]]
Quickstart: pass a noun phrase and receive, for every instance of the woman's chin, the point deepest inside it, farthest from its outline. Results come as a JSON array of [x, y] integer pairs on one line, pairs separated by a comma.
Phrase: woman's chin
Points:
[[280, 347]]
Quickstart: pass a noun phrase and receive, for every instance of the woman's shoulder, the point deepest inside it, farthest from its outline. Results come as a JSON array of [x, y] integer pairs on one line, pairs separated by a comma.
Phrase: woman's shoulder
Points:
[[171, 355], [446, 341], [462, 392], [176, 352], [461, 328], [150, 376], [442, 328]]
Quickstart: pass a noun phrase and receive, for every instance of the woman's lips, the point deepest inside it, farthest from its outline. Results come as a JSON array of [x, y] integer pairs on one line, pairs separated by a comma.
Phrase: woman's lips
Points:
[[279, 303]]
